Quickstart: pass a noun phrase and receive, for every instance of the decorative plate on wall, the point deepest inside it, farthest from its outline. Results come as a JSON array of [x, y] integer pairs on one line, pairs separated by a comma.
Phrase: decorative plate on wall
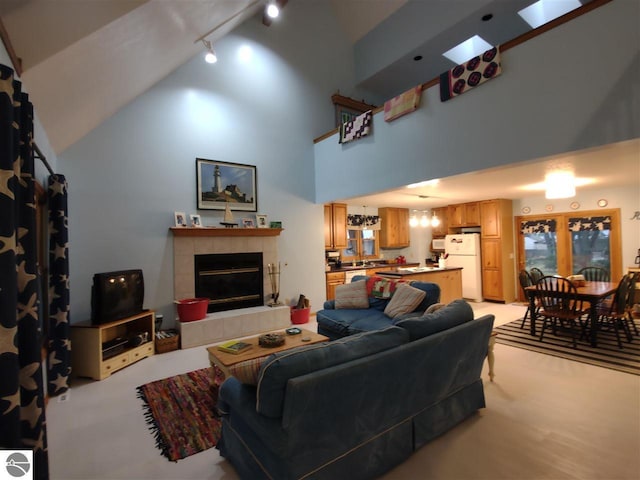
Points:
[[574, 205], [548, 208], [603, 202], [526, 210]]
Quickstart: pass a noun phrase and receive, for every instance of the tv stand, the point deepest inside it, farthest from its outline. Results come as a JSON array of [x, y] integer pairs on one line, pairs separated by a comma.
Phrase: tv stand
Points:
[[92, 346]]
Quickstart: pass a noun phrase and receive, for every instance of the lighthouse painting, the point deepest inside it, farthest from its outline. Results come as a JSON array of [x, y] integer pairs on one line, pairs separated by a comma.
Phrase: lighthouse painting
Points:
[[222, 185]]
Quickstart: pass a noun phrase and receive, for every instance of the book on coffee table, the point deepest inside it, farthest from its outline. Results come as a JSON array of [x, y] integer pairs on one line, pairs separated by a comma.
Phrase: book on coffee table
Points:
[[234, 346]]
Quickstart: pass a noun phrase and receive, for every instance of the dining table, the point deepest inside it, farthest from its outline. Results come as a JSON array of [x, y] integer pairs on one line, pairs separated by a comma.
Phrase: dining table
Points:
[[592, 292]]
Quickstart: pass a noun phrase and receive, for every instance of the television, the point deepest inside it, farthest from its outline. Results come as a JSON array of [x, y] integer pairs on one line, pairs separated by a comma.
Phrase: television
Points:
[[116, 295]]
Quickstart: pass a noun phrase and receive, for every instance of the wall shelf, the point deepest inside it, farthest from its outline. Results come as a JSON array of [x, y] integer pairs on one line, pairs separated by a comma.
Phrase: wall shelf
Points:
[[224, 232]]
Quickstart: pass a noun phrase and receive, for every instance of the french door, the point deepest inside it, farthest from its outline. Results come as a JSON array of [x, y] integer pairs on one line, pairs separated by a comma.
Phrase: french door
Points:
[[563, 243]]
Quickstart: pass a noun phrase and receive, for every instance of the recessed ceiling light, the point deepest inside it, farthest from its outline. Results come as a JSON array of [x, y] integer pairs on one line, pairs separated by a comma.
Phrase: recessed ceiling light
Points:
[[468, 49], [417, 58], [543, 11]]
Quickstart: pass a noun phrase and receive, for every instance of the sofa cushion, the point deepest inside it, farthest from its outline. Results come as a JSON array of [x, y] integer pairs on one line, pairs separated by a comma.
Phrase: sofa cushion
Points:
[[248, 371], [379, 287], [404, 300], [352, 295], [282, 366], [455, 313]]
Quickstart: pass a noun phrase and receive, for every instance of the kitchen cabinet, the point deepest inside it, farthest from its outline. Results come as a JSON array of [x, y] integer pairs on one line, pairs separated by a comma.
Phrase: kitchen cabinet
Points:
[[443, 228], [464, 215], [335, 226], [333, 280], [496, 240], [100, 350], [394, 231]]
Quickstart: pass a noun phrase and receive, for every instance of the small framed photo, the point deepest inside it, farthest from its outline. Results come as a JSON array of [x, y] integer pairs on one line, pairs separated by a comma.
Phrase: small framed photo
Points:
[[248, 223], [261, 221], [275, 224], [196, 221], [180, 219]]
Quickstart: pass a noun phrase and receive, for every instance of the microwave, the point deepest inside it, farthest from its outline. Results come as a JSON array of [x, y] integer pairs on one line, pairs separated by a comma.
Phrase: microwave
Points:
[[437, 244]]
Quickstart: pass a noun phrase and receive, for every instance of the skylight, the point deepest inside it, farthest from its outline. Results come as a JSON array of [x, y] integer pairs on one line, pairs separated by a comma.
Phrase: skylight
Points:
[[468, 49], [543, 11]]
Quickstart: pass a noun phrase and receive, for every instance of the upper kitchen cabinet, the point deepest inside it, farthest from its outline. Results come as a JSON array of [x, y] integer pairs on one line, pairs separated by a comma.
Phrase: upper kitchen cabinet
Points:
[[335, 226], [394, 231], [464, 215], [443, 227]]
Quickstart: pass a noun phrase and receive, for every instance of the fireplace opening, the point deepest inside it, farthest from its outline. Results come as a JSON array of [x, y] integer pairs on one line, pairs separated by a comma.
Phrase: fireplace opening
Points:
[[230, 280]]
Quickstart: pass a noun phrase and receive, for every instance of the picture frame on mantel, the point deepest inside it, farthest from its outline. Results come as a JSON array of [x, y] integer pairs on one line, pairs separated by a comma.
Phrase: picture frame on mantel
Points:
[[221, 183]]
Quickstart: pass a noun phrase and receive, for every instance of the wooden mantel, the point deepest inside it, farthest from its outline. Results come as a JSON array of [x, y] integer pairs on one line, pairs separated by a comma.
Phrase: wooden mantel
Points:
[[224, 232]]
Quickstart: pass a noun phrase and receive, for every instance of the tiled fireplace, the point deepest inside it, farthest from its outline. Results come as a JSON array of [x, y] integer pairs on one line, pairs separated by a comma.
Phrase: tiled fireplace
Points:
[[228, 324]]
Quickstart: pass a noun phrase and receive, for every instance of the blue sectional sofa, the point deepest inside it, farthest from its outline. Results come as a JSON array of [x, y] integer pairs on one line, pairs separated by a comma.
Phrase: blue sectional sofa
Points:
[[356, 407], [337, 323]]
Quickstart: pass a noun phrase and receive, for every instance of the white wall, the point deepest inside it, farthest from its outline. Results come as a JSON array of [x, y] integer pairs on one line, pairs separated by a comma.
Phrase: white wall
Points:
[[128, 176], [571, 88]]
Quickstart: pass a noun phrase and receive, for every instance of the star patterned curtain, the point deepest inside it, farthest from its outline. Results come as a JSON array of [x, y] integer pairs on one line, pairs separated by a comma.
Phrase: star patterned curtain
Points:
[[22, 399], [59, 363]]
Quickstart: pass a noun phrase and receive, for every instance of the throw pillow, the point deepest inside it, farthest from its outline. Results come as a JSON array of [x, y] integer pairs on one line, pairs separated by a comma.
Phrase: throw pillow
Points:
[[247, 371], [451, 315], [405, 299], [378, 287], [352, 295]]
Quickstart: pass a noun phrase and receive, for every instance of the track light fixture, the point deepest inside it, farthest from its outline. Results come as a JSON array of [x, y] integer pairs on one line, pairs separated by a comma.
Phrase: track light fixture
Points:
[[210, 56], [272, 10]]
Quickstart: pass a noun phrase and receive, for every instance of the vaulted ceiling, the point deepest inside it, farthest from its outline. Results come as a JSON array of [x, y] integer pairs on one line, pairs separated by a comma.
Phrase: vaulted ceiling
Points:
[[84, 60]]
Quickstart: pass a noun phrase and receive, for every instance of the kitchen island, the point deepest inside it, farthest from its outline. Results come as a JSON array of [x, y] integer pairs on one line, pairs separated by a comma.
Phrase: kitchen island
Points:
[[449, 279]]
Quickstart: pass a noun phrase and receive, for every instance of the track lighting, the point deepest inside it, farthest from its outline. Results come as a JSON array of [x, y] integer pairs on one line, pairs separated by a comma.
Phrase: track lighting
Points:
[[272, 10], [210, 56]]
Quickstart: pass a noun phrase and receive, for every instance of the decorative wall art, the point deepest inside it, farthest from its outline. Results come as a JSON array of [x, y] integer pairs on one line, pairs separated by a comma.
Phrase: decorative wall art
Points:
[[359, 127], [222, 183], [404, 103], [476, 71]]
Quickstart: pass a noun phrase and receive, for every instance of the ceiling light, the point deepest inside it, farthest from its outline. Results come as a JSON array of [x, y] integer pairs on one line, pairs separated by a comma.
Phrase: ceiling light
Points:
[[413, 221], [544, 11], [272, 10], [210, 56], [435, 221], [468, 49], [560, 184], [424, 220]]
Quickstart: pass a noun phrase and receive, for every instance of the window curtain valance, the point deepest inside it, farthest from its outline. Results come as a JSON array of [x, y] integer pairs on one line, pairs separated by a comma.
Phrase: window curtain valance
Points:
[[363, 222], [538, 226], [583, 224]]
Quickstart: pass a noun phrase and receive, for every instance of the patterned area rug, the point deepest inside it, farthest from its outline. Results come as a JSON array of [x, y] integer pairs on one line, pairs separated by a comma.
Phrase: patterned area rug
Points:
[[180, 411], [606, 354]]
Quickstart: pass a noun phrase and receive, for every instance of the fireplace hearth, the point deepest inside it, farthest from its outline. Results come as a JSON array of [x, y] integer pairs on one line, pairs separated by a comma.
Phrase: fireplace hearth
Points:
[[229, 280]]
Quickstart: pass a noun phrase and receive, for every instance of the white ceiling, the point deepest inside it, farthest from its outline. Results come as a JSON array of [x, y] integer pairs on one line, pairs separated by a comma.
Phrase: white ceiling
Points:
[[84, 60]]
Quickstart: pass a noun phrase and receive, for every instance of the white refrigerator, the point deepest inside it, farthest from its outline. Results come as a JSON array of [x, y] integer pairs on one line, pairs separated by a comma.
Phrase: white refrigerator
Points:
[[464, 251]]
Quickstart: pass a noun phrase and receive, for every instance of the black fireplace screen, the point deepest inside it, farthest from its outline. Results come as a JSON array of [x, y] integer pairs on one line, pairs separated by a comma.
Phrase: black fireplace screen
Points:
[[230, 280]]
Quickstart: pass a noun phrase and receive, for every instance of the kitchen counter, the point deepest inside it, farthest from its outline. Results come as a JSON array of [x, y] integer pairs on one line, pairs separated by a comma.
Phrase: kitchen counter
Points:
[[449, 279], [371, 266]]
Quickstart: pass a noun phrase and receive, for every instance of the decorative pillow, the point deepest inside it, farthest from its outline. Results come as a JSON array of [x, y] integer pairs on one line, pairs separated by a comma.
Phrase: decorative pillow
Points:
[[434, 308], [378, 287], [247, 371], [451, 315], [352, 295], [405, 299]]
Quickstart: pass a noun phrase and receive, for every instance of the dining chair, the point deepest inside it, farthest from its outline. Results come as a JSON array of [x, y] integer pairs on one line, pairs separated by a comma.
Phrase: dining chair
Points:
[[536, 274], [526, 281], [595, 274], [617, 315], [560, 307]]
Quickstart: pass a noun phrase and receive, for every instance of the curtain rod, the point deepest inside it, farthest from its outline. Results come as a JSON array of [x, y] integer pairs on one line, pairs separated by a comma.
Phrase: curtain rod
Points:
[[39, 155]]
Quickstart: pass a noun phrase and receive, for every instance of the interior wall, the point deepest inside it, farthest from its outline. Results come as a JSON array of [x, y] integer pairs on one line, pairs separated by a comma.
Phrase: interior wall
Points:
[[131, 173], [574, 87]]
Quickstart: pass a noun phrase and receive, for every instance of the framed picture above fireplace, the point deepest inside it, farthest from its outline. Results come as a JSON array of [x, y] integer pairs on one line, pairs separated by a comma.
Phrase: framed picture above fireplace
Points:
[[219, 184]]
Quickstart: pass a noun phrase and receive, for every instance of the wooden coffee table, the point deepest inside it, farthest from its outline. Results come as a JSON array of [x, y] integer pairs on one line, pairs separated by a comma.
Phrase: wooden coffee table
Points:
[[222, 360]]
